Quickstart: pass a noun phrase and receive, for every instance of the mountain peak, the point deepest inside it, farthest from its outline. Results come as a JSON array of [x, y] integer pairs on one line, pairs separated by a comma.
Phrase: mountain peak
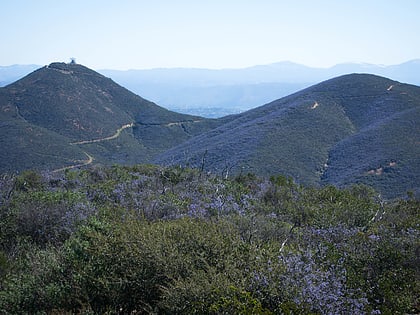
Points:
[[71, 68], [71, 107]]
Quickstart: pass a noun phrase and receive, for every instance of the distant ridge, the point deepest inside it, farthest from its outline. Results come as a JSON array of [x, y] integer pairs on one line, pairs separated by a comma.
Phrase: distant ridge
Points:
[[216, 93], [9, 74]]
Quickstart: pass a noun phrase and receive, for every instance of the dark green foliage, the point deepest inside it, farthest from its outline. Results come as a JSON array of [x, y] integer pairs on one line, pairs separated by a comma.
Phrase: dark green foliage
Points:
[[29, 181], [26, 146], [235, 301], [153, 240]]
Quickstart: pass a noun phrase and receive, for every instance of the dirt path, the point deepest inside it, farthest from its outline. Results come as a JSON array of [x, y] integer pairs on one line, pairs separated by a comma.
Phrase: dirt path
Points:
[[180, 123], [114, 136], [91, 158], [315, 105], [87, 162]]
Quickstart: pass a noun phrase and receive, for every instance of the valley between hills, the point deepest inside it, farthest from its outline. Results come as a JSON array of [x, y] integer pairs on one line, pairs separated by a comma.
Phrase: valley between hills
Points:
[[353, 129]]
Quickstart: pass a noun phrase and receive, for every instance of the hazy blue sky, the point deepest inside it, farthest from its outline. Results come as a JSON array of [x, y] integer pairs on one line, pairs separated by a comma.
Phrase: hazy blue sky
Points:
[[125, 34]]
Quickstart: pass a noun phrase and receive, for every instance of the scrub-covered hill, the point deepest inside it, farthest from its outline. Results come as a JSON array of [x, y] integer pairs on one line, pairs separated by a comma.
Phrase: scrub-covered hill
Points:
[[356, 128], [70, 113]]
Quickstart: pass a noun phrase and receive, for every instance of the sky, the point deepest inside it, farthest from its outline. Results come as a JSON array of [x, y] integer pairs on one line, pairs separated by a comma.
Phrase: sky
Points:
[[215, 34]]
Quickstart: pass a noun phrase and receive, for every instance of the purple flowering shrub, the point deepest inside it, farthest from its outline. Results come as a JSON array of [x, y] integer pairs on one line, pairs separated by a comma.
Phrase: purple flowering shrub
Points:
[[148, 239], [35, 210]]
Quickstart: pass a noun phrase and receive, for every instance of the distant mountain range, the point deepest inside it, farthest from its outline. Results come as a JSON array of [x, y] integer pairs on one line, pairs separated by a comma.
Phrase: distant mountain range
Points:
[[9, 74], [216, 93], [357, 128]]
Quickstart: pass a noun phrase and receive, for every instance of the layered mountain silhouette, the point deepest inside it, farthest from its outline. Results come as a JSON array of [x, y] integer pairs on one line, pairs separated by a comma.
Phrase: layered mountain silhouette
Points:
[[356, 128], [217, 93]]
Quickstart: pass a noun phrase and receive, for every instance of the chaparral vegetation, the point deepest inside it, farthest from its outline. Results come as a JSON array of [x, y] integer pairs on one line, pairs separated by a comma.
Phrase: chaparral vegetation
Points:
[[153, 240]]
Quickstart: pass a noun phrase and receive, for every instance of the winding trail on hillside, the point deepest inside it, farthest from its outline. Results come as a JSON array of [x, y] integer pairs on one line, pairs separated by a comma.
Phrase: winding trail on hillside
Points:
[[114, 136], [87, 162], [90, 157], [179, 123]]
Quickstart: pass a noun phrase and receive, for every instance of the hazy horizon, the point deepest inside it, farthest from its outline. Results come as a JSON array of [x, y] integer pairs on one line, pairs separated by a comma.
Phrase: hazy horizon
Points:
[[208, 34], [227, 68]]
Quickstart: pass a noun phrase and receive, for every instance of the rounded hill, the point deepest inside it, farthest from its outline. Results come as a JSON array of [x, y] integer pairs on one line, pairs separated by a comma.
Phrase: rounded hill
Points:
[[335, 132]]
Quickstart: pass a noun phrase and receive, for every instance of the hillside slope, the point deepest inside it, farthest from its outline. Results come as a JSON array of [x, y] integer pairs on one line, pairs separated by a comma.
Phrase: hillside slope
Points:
[[352, 129], [81, 113]]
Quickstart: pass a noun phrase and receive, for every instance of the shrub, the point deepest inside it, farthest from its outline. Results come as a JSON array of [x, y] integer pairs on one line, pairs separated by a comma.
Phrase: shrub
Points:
[[172, 241]]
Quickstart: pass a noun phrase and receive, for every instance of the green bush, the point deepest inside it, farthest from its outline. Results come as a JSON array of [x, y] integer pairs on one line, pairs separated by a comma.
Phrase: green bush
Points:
[[173, 241]]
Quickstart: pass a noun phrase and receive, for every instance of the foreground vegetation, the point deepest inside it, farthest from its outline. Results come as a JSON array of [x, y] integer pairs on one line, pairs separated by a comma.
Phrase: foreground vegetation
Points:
[[153, 240]]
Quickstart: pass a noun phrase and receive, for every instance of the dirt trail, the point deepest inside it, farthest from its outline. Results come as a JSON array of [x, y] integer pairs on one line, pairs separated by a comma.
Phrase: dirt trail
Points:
[[180, 123], [91, 158], [315, 105], [87, 162], [114, 136]]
